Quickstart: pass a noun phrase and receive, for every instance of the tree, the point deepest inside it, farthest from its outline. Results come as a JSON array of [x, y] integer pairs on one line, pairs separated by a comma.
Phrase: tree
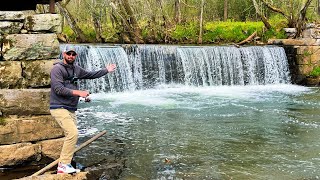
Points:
[[295, 13], [123, 16], [80, 37], [261, 15], [201, 22], [225, 10], [177, 11]]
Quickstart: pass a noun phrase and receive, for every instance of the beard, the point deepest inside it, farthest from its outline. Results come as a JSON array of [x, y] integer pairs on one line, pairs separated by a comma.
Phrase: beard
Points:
[[70, 61]]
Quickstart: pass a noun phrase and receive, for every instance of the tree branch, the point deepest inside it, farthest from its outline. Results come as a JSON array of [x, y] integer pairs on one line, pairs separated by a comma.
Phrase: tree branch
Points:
[[277, 10], [248, 39], [262, 17]]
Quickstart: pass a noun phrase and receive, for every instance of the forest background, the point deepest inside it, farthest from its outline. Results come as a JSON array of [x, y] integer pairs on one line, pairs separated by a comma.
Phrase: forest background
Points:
[[183, 21]]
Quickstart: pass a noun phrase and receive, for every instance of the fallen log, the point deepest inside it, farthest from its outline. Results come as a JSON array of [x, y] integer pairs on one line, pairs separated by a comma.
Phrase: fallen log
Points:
[[248, 39], [49, 166]]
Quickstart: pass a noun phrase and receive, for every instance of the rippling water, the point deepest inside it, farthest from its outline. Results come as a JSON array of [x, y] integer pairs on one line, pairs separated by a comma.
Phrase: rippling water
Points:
[[222, 132]]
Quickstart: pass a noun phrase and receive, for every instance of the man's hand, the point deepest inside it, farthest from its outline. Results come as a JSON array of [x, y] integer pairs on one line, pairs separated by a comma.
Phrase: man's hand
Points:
[[111, 67], [80, 93]]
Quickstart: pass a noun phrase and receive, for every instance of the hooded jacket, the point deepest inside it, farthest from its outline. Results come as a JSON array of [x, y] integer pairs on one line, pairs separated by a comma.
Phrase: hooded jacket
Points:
[[62, 84]]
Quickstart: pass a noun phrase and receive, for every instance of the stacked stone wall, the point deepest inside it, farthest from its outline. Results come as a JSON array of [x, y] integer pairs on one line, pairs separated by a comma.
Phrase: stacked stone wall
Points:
[[29, 47], [303, 55]]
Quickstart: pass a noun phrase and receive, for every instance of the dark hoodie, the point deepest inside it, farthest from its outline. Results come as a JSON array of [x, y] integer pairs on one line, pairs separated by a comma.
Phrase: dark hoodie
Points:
[[61, 84]]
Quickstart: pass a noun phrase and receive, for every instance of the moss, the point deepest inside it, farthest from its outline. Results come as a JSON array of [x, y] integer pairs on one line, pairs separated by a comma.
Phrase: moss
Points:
[[2, 121], [315, 72]]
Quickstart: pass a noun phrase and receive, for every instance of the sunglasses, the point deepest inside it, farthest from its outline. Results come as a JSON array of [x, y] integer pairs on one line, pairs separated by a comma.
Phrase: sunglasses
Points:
[[71, 54]]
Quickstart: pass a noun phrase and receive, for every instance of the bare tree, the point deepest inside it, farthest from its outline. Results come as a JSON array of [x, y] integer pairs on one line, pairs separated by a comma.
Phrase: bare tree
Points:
[[124, 16], [225, 10], [261, 15], [80, 37], [294, 20], [177, 11], [201, 22]]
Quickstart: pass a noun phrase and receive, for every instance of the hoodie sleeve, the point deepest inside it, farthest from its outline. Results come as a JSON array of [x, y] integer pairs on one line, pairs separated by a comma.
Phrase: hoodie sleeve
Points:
[[57, 82], [84, 74]]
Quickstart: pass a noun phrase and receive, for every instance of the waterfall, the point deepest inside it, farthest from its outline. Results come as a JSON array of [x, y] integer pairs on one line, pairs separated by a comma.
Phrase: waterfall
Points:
[[146, 66]]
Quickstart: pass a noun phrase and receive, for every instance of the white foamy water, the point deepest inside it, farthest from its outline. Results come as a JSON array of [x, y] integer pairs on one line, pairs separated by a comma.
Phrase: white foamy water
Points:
[[170, 94]]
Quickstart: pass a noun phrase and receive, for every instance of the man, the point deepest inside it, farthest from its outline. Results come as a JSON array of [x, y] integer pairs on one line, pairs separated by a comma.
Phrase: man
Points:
[[64, 98]]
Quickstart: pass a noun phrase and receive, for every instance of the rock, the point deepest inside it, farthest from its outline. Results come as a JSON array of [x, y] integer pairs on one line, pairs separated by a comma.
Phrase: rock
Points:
[[30, 47], [24, 102], [19, 153], [290, 32], [10, 75], [37, 73], [12, 15], [44, 22], [51, 148], [9, 27], [30, 129], [77, 176]]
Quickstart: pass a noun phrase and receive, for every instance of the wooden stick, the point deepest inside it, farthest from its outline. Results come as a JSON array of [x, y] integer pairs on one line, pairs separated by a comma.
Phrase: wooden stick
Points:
[[248, 39], [49, 166]]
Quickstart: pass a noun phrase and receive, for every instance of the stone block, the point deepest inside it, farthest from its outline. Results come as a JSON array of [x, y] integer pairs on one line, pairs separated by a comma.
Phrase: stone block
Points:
[[303, 60], [19, 153], [24, 102], [37, 73], [304, 69], [51, 148], [12, 15], [10, 74], [30, 47], [9, 27], [295, 42], [29, 129], [44, 23]]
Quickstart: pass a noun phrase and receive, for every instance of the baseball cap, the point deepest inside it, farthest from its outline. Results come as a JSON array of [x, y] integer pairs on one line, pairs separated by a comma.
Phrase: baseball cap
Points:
[[69, 48]]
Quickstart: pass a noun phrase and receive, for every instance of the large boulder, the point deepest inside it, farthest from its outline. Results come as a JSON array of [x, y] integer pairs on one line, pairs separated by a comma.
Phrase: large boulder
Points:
[[44, 23], [19, 153], [37, 73], [12, 15], [29, 129], [30, 47], [10, 27], [51, 148], [24, 102]]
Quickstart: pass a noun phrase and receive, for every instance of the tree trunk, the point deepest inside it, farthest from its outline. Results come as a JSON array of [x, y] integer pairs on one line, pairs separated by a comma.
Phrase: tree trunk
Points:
[[319, 7], [135, 30], [201, 22], [96, 18], [177, 11], [80, 37], [225, 10], [302, 17], [262, 17]]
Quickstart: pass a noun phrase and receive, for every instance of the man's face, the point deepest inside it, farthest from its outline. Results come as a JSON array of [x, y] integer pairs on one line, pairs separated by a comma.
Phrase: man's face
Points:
[[69, 57]]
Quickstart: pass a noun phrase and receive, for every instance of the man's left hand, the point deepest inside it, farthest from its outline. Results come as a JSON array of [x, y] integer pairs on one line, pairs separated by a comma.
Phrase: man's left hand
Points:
[[111, 67]]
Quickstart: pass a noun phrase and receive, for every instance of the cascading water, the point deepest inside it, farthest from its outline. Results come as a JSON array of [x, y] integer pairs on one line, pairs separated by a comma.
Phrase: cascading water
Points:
[[200, 112], [146, 66]]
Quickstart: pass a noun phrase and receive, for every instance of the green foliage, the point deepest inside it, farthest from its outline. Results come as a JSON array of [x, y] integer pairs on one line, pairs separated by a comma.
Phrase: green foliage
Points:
[[69, 32], [315, 72], [216, 32], [89, 32], [188, 32]]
